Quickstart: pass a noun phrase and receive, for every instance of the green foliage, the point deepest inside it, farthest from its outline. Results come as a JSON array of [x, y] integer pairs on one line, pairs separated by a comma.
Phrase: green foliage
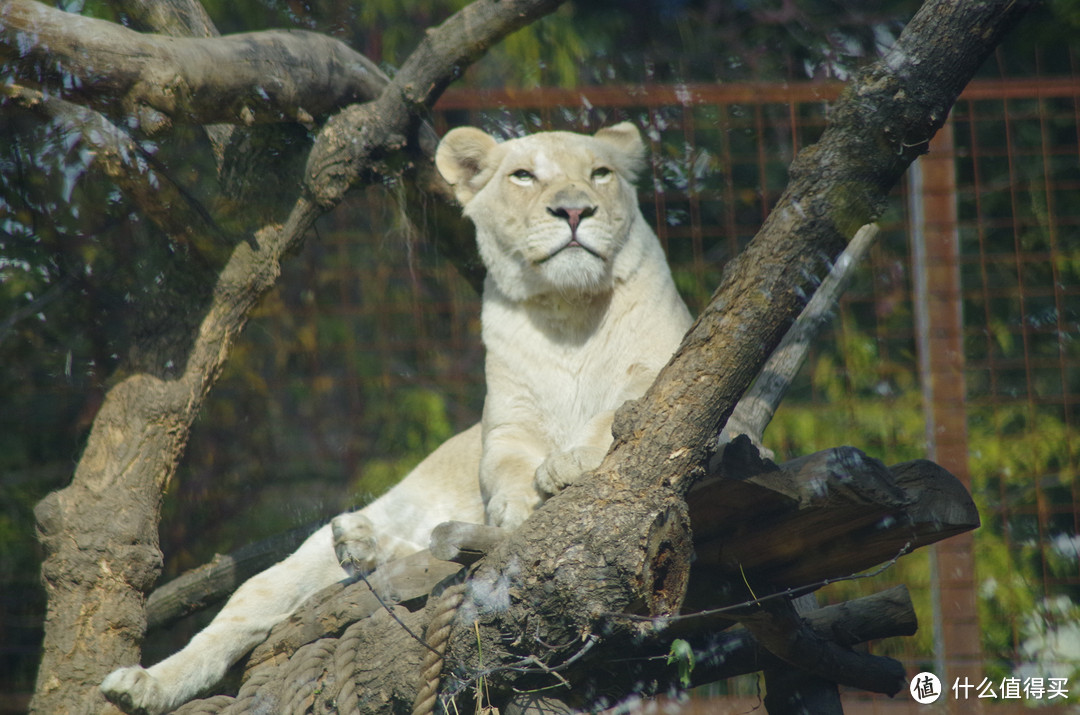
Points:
[[1067, 12], [548, 53], [681, 655], [415, 425]]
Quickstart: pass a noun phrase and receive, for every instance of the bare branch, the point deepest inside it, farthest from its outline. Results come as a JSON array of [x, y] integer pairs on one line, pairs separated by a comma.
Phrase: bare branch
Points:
[[213, 581], [178, 18], [756, 408], [156, 80], [356, 139]]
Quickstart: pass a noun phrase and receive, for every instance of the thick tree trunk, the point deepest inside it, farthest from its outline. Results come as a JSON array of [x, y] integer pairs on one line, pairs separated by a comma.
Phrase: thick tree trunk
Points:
[[100, 533]]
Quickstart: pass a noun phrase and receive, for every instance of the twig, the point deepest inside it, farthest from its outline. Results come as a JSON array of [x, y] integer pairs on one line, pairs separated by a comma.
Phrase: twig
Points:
[[787, 593], [393, 615]]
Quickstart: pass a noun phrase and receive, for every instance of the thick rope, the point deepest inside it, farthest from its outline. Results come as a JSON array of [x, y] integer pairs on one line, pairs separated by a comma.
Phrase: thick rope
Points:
[[304, 676], [437, 635], [330, 663], [208, 706], [345, 660]]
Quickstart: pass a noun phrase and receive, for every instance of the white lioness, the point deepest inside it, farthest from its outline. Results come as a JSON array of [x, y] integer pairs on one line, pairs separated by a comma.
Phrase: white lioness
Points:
[[579, 314]]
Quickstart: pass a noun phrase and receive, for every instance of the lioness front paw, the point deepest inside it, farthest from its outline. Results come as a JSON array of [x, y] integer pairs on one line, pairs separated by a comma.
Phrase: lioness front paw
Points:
[[561, 469], [355, 542], [135, 691]]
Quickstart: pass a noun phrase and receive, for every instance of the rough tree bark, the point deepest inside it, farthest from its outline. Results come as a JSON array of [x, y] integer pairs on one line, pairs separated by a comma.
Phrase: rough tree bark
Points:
[[98, 567]]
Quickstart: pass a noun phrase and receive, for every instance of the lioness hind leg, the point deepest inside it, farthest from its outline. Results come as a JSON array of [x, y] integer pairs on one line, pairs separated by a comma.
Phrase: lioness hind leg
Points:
[[258, 605]]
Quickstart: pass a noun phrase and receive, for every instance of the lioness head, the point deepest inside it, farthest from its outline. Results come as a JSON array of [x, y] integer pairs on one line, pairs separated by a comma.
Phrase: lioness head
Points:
[[553, 211]]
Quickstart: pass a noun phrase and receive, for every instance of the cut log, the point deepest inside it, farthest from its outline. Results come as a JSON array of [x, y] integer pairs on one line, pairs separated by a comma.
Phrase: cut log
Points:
[[780, 630], [794, 691], [723, 655]]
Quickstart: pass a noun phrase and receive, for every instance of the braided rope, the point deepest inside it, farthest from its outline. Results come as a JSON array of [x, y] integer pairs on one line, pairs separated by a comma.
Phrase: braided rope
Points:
[[304, 675], [327, 666], [345, 659], [208, 706], [251, 689], [437, 636]]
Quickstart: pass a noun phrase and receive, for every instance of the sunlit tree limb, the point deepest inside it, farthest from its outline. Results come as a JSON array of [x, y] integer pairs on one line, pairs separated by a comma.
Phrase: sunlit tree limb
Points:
[[177, 18], [361, 136], [157, 80]]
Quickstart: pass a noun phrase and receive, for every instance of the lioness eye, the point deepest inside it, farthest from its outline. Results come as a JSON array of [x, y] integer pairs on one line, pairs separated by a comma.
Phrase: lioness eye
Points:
[[522, 177], [602, 174]]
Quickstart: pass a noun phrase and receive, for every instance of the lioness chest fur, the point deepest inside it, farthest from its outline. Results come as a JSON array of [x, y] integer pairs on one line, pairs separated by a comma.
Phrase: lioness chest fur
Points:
[[579, 314]]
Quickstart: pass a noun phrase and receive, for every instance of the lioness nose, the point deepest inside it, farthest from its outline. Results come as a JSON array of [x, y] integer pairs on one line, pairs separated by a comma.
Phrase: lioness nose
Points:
[[573, 216]]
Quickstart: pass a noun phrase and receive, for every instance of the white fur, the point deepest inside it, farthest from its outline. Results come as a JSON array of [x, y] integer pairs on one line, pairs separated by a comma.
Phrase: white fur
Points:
[[571, 331]]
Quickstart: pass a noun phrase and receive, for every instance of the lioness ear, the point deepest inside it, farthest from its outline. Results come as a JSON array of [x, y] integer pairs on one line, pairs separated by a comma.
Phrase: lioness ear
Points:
[[626, 139], [460, 159]]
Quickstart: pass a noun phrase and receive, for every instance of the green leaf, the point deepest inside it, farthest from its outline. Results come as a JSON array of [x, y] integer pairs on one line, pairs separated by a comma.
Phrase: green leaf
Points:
[[682, 655]]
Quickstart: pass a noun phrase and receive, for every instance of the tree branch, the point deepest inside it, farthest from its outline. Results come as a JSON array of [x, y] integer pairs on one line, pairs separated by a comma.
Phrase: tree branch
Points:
[[212, 582], [756, 408], [259, 77], [177, 18], [341, 156]]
